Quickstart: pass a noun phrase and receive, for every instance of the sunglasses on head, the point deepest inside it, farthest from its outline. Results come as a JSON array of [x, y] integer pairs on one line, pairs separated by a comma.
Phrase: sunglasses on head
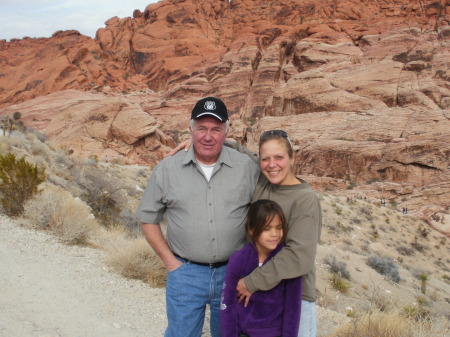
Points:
[[280, 133]]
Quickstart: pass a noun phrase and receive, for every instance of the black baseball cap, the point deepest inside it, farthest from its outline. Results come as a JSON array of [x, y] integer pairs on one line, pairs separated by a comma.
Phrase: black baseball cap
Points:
[[210, 106]]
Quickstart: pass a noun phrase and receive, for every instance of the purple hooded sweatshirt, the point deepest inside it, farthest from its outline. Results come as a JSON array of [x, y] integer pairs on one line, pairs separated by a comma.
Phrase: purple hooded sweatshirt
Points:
[[271, 313]]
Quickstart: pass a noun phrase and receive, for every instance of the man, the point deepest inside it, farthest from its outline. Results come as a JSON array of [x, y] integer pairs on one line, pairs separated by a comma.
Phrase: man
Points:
[[205, 193]]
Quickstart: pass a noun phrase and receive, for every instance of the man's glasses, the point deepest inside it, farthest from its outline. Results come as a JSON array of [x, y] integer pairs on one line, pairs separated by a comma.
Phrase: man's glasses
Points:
[[279, 133]]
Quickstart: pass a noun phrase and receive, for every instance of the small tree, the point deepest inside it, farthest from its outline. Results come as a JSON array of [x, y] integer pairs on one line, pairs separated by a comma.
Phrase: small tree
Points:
[[19, 181]]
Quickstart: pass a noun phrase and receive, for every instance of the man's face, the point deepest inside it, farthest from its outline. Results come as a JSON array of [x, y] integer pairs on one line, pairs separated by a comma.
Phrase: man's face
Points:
[[208, 135]]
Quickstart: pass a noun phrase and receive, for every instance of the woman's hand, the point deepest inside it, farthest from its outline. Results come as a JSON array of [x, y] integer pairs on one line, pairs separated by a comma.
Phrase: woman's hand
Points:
[[242, 292], [185, 144]]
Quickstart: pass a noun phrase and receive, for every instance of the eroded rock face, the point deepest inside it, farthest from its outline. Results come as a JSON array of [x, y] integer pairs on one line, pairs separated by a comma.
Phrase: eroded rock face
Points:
[[363, 87], [96, 125]]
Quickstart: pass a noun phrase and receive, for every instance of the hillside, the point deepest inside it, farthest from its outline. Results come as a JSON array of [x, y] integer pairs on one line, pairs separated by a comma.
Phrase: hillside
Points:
[[356, 229]]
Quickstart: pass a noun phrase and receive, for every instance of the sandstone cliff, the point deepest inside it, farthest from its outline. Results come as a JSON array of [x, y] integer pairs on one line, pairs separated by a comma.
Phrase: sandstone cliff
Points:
[[363, 87]]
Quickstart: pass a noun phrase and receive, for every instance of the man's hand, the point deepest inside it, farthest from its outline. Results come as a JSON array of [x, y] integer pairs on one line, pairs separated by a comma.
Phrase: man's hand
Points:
[[174, 265], [186, 144], [243, 292]]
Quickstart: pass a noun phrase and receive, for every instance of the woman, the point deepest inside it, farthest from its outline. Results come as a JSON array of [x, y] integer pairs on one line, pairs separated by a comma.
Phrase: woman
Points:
[[304, 216]]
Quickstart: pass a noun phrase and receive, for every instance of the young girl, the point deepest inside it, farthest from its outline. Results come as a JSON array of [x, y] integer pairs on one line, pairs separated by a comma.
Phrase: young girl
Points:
[[269, 313]]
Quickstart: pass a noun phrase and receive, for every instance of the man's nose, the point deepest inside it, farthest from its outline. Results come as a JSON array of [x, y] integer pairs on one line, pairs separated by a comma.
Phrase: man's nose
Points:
[[208, 135]]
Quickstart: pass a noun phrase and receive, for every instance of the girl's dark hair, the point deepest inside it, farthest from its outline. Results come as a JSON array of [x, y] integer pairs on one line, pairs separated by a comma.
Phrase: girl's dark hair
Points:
[[280, 135], [260, 213]]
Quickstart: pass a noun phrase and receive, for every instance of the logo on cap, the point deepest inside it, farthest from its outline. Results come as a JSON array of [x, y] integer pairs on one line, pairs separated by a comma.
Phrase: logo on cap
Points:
[[210, 105]]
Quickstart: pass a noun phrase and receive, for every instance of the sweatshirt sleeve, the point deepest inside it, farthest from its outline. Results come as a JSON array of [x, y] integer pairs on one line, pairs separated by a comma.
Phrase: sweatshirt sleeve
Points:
[[229, 325], [298, 256], [292, 307], [231, 143]]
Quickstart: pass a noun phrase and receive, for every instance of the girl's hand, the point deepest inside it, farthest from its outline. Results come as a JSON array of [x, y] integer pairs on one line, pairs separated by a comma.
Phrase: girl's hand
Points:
[[243, 292], [186, 144]]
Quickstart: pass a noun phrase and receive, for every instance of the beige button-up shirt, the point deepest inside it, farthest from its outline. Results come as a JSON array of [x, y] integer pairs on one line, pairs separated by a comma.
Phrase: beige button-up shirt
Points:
[[205, 220]]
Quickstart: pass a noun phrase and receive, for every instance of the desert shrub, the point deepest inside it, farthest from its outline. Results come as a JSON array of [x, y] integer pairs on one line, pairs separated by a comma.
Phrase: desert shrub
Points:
[[336, 266], [66, 217], [376, 324], [417, 312], [40, 209], [407, 251], [39, 149], [130, 222], [101, 193], [62, 158], [339, 283], [34, 134], [385, 266], [5, 146], [136, 260], [72, 222], [19, 181]]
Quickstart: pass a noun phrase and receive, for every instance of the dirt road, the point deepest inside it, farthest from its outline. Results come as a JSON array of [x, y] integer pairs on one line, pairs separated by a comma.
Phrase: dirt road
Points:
[[49, 290]]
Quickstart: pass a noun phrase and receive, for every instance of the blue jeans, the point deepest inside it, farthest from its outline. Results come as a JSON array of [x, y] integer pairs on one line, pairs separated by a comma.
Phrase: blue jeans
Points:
[[308, 320], [189, 289]]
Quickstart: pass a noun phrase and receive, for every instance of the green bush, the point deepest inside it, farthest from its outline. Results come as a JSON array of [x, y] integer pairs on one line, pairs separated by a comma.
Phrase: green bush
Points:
[[19, 181]]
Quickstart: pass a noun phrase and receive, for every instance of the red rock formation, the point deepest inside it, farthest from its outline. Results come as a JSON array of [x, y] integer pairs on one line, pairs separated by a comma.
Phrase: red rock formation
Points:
[[362, 86]]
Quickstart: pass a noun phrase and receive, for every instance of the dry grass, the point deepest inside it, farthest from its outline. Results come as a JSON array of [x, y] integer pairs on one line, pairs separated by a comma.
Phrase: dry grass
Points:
[[72, 222], [339, 283], [377, 324], [133, 258], [392, 324], [65, 216]]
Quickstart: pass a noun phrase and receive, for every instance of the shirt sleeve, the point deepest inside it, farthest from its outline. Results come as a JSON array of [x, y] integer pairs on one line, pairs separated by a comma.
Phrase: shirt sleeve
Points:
[[231, 143], [298, 256], [229, 324], [292, 307], [152, 206]]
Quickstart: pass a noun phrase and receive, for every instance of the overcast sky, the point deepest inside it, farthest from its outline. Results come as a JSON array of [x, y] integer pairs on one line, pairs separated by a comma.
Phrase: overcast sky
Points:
[[41, 18]]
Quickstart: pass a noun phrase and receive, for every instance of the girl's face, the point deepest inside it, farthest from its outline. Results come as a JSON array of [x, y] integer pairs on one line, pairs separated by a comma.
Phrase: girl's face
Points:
[[270, 237], [275, 163]]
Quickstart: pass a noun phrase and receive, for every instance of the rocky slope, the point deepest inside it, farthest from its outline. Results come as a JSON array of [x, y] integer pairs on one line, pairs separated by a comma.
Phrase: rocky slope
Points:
[[362, 87]]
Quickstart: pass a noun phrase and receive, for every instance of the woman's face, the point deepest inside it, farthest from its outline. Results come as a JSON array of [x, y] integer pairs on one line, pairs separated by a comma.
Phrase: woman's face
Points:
[[275, 163]]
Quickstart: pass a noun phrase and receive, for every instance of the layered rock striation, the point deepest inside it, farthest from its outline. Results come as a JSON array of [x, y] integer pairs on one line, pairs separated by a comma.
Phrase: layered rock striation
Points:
[[363, 87]]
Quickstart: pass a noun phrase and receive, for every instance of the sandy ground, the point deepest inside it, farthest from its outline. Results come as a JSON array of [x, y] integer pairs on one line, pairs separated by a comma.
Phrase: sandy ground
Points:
[[50, 289]]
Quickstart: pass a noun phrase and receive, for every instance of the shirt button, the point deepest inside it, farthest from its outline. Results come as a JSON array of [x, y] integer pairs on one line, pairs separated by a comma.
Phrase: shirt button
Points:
[[209, 204], [209, 187], [210, 221], [214, 239]]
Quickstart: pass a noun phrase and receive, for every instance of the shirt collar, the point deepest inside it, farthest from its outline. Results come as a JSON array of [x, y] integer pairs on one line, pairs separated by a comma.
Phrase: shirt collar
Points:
[[224, 157]]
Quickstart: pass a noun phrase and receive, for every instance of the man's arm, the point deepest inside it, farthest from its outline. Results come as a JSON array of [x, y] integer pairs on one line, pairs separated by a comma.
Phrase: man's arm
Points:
[[155, 238]]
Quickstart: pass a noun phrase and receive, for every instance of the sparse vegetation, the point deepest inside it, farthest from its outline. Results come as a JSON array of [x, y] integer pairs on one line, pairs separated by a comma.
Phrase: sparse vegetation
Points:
[[19, 181], [377, 324], [66, 217], [336, 266], [136, 260], [385, 266], [339, 283], [347, 238]]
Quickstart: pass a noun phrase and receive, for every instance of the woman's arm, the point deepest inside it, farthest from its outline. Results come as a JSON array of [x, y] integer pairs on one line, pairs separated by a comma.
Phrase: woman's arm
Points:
[[298, 256]]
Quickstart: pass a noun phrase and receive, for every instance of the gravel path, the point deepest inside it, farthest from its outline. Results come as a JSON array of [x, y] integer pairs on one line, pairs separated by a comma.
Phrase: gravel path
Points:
[[50, 290]]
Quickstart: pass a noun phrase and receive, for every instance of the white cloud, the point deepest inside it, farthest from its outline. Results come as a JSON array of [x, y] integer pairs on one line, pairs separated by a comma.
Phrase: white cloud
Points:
[[41, 18]]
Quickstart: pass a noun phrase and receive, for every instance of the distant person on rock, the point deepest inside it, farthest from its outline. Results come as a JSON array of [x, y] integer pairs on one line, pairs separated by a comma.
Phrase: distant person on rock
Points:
[[205, 193]]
